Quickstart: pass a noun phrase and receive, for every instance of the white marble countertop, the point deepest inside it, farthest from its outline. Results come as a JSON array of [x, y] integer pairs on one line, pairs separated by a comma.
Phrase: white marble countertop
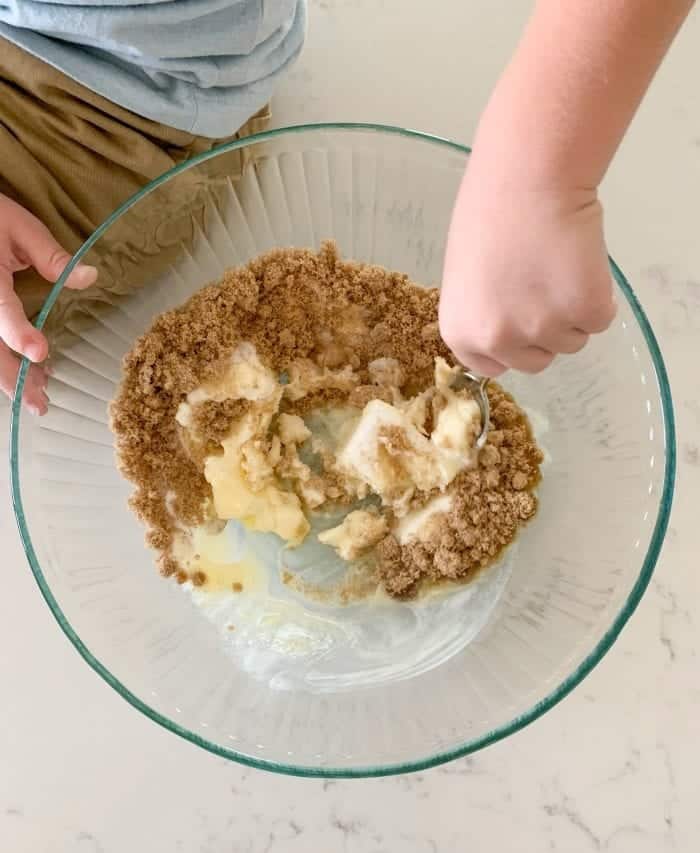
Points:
[[615, 767]]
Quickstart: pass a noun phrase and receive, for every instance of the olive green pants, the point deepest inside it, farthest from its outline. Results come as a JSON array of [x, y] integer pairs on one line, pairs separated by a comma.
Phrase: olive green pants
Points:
[[72, 157]]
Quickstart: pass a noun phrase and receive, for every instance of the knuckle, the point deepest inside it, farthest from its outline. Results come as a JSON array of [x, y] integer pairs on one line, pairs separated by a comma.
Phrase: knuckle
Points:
[[612, 307], [58, 259], [599, 317], [537, 319], [17, 338], [492, 335], [12, 337], [594, 308], [540, 332]]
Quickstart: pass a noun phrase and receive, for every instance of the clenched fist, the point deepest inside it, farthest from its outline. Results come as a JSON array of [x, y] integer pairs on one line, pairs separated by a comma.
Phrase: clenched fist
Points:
[[526, 275]]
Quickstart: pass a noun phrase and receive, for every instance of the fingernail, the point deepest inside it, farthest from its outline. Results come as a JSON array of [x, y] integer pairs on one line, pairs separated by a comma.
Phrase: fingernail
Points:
[[82, 276], [33, 409]]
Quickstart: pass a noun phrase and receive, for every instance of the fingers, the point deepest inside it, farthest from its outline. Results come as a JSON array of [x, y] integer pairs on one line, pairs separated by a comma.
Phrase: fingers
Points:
[[481, 364], [530, 359], [597, 317], [591, 305], [34, 395], [34, 246], [492, 346], [507, 354], [81, 277], [567, 341], [9, 365], [15, 330], [26, 242]]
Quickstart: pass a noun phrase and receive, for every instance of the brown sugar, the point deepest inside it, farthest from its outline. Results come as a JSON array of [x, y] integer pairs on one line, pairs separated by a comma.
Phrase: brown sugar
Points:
[[311, 311], [490, 503], [212, 419]]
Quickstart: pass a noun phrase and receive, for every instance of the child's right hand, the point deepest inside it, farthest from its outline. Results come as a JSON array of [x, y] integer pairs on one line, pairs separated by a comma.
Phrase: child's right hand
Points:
[[526, 271], [25, 243], [526, 274]]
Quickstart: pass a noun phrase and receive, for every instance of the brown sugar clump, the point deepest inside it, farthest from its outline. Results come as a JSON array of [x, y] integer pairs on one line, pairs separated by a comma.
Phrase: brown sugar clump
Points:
[[360, 328], [212, 420], [489, 505], [399, 575]]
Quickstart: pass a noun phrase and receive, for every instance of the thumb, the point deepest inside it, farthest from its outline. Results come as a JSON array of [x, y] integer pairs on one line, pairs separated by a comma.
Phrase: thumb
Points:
[[35, 246]]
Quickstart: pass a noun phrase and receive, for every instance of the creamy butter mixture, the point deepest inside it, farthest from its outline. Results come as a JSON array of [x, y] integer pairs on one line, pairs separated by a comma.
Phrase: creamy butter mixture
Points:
[[383, 451]]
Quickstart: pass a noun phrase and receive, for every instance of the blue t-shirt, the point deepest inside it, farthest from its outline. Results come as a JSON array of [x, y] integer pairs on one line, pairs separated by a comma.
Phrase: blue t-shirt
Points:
[[203, 66]]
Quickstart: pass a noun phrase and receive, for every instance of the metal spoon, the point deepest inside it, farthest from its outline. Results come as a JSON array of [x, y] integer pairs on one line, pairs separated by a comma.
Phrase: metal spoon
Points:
[[477, 385]]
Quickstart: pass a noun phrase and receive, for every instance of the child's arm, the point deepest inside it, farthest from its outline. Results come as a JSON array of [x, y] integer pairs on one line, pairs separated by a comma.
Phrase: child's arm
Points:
[[24, 243], [526, 273]]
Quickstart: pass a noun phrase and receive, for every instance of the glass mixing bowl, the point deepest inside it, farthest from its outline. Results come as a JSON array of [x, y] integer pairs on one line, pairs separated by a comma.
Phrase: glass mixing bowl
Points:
[[383, 690]]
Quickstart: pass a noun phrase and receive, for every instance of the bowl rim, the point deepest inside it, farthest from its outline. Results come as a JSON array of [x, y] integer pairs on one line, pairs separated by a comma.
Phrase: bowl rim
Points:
[[591, 660]]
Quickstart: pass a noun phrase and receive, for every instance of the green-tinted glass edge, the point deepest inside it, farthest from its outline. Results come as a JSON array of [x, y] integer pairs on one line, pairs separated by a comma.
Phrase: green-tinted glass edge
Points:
[[583, 669]]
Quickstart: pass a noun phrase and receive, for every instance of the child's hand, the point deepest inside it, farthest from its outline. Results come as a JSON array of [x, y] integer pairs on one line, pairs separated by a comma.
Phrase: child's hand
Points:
[[24, 243], [526, 275]]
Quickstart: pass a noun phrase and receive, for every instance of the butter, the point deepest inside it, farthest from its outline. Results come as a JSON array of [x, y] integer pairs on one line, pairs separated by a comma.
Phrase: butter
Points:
[[202, 550], [244, 378], [366, 459], [382, 450], [415, 524], [242, 478], [292, 429], [359, 531], [388, 453], [267, 508], [458, 424]]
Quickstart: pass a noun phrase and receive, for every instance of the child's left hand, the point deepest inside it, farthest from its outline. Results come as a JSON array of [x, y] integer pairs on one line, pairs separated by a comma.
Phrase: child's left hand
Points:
[[25, 242]]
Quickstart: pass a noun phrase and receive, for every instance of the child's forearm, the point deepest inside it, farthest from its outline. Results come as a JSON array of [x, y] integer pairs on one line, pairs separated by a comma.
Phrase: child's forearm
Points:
[[563, 104]]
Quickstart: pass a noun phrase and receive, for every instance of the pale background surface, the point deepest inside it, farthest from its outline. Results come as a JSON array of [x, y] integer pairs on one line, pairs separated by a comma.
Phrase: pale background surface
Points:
[[616, 766]]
